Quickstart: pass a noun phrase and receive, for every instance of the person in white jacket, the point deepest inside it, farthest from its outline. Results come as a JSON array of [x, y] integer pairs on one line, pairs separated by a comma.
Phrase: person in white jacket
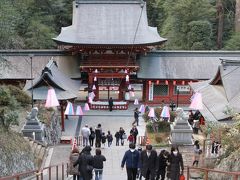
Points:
[[85, 134]]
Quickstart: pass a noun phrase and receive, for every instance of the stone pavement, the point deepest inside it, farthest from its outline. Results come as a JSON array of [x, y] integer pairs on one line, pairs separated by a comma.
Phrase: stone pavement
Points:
[[110, 121]]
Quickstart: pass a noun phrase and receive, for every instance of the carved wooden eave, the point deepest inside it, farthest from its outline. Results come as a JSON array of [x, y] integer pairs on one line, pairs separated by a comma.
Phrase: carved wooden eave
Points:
[[101, 49]]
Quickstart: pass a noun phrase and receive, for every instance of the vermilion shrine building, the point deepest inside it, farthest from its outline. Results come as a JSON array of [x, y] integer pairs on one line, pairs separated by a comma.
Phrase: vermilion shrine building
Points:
[[108, 41]]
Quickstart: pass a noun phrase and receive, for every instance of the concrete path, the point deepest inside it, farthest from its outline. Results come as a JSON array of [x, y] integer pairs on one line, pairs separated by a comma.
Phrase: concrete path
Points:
[[110, 121]]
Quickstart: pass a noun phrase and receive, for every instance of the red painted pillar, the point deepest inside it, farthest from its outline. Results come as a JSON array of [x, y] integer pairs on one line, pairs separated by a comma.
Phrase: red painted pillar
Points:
[[62, 115]]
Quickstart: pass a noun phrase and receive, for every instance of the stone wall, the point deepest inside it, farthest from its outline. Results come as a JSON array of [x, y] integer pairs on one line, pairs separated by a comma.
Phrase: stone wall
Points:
[[229, 164], [15, 154]]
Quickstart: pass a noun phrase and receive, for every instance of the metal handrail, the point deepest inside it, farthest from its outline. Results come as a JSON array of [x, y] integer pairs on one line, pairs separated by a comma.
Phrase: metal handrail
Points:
[[39, 173], [207, 171]]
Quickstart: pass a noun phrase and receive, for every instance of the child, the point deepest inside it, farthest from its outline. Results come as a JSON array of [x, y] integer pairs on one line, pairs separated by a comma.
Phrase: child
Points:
[[98, 164], [109, 138], [131, 138], [117, 136], [103, 139], [197, 152]]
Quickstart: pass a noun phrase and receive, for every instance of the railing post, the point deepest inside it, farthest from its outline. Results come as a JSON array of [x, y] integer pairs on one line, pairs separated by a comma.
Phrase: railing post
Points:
[[41, 175], [188, 175], [204, 146], [235, 177], [67, 168], [37, 176], [206, 175], [49, 173], [62, 171], [57, 172]]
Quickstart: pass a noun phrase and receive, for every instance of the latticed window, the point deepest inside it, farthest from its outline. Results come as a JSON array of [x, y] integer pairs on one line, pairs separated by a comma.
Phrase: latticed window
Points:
[[160, 90]]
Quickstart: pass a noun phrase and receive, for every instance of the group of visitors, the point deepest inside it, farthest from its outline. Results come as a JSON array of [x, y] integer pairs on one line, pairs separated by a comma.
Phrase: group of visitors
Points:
[[150, 165], [89, 136], [83, 164], [196, 120]]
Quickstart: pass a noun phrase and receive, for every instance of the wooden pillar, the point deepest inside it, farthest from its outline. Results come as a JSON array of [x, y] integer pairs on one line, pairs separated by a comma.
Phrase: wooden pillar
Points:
[[144, 92], [62, 115]]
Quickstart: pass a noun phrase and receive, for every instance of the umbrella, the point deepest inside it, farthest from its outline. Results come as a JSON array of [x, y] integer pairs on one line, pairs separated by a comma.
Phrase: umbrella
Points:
[[79, 111], [196, 102], [52, 100], [86, 107], [136, 102], [142, 108], [165, 112], [69, 109], [151, 112]]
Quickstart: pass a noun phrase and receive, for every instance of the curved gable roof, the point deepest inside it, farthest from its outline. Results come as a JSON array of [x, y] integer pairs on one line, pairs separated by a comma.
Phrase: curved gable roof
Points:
[[109, 23], [65, 87]]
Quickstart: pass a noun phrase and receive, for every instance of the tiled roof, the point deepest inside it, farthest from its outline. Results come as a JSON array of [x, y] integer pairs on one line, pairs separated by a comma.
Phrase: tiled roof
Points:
[[51, 76], [182, 64], [105, 23]]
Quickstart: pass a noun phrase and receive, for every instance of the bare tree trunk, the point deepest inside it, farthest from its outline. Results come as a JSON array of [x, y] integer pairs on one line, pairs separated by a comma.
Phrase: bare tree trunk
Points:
[[220, 18], [237, 16]]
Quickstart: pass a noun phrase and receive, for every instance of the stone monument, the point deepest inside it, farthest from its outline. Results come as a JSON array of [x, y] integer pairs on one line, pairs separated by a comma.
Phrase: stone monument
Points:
[[33, 127], [181, 131]]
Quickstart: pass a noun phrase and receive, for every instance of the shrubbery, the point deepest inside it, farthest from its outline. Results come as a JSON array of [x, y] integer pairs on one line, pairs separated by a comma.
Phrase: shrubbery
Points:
[[11, 99]]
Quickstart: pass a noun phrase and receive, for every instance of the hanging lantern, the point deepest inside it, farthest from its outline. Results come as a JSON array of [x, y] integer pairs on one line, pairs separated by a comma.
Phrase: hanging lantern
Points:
[[129, 87], [151, 112], [79, 111], [127, 78], [52, 100], [149, 82], [96, 71], [127, 96], [142, 108], [90, 100], [196, 103], [94, 87], [174, 83], [189, 82], [166, 82], [132, 94], [136, 102], [183, 82], [125, 71], [86, 107], [69, 109], [92, 95], [95, 79], [157, 82], [165, 112]]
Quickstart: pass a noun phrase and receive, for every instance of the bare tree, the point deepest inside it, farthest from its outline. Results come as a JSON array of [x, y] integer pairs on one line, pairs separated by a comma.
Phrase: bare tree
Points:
[[237, 16]]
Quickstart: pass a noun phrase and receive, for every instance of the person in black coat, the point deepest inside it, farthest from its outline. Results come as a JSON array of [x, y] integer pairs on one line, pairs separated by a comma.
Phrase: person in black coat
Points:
[[85, 163], [117, 136], [176, 163], [122, 132], [136, 116], [98, 133], [110, 103], [148, 163], [162, 164], [98, 164], [92, 136]]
